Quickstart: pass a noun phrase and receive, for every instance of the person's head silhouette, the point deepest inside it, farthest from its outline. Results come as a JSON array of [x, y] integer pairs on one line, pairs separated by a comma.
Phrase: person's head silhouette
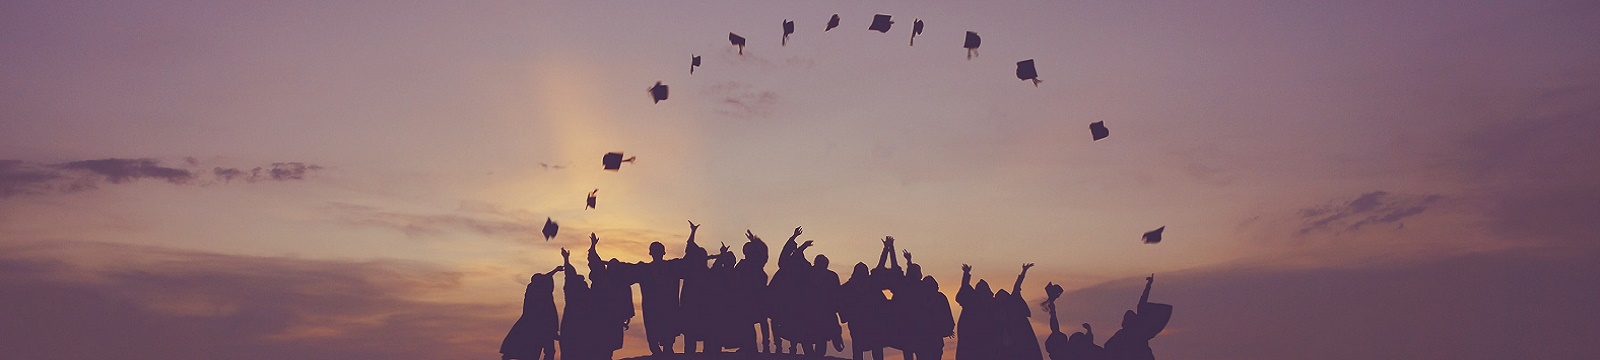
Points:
[[930, 284], [657, 250], [1128, 318], [983, 288], [821, 262]]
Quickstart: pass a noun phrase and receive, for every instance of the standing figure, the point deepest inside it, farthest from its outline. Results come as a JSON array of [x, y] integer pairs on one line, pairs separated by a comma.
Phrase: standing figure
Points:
[[783, 294], [1017, 338], [534, 334], [659, 297], [820, 308], [977, 333], [932, 321], [861, 307], [580, 335], [748, 291], [698, 294], [1133, 340], [612, 286]]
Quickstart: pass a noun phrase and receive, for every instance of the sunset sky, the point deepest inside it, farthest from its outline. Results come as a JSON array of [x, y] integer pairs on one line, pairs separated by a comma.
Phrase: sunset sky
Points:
[[366, 180]]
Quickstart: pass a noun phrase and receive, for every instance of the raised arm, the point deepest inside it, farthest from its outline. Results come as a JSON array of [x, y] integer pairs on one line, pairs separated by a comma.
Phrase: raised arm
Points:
[[884, 255], [893, 262], [1055, 325], [1087, 331], [907, 253], [692, 229], [594, 256], [1145, 298], [966, 277], [1016, 289], [554, 271]]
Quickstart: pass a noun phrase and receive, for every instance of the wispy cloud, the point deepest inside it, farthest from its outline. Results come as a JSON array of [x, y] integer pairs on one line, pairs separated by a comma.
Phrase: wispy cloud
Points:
[[158, 303], [424, 225], [19, 177], [1373, 208], [741, 101]]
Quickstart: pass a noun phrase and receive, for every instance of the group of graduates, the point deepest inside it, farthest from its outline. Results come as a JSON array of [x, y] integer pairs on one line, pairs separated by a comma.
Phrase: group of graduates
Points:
[[719, 302]]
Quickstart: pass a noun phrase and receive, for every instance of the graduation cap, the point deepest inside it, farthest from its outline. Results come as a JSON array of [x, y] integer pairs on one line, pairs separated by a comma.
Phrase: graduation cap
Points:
[[788, 28], [880, 22], [1098, 130], [1025, 71], [916, 29], [694, 61], [737, 40], [591, 200], [659, 92], [613, 161], [972, 44], [550, 229], [833, 22], [1154, 236]]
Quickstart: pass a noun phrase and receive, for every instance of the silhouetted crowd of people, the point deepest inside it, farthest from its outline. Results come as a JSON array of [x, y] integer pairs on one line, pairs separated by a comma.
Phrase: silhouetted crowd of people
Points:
[[720, 301]]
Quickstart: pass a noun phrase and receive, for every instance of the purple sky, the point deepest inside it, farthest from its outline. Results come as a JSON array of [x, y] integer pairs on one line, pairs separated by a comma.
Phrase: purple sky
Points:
[[1359, 179]]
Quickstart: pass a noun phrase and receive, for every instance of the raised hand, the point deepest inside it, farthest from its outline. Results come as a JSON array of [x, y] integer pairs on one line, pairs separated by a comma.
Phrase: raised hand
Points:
[[593, 240], [1086, 327], [565, 253], [806, 244], [751, 235], [888, 241], [693, 226], [966, 269], [1150, 279], [1025, 267], [907, 253], [797, 231]]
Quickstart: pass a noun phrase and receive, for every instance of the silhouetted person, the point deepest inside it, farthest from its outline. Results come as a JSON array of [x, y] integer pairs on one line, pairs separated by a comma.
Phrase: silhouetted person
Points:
[[612, 286], [905, 308], [977, 333], [782, 297], [724, 322], [1079, 346], [659, 296], [698, 294], [534, 334], [861, 307], [938, 322], [1132, 342], [746, 296], [1017, 338], [820, 308], [580, 331]]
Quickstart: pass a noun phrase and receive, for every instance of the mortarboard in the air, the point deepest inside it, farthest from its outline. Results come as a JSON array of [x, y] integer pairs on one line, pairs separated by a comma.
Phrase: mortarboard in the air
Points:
[[550, 229], [788, 28], [880, 22], [613, 161], [737, 40], [590, 205], [916, 29], [972, 44], [1025, 71], [1098, 130], [694, 61], [833, 22], [659, 92], [1154, 236]]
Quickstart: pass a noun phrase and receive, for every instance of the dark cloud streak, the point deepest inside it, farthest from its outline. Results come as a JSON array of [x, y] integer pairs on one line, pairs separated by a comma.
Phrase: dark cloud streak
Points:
[[19, 177], [1373, 208]]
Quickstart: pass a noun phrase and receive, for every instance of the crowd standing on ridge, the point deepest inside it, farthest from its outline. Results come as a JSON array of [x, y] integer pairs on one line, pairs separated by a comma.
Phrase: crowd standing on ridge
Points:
[[720, 301]]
